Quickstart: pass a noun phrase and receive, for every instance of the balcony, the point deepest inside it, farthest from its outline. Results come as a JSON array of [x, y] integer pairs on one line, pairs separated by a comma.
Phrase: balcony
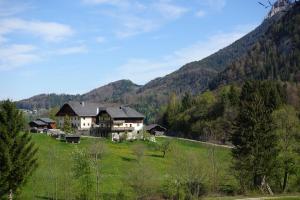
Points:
[[120, 129]]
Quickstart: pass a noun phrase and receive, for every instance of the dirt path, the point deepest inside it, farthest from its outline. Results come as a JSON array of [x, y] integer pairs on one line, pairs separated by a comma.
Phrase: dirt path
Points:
[[263, 198], [207, 143]]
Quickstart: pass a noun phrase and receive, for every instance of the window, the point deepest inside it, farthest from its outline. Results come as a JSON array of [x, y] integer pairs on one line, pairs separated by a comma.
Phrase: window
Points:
[[130, 125], [83, 124], [88, 124], [84, 118], [138, 124]]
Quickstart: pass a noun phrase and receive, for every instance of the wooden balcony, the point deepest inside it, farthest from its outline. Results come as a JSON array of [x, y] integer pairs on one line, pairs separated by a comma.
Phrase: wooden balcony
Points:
[[120, 129]]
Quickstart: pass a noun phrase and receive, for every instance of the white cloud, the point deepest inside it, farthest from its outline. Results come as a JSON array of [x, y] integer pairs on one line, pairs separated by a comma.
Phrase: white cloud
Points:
[[49, 31], [134, 18], [200, 13], [132, 25], [100, 39], [17, 55], [216, 4], [169, 10], [141, 70], [72, 50]]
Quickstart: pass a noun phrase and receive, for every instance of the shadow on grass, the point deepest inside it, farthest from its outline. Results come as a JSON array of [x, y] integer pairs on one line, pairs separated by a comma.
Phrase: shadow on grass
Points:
[[127, 159], [156, 156], [44, 197]]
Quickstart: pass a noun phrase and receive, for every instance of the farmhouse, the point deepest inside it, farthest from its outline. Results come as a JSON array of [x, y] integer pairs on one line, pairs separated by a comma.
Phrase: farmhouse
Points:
[[119, 122], [82, 115], [100, 121]]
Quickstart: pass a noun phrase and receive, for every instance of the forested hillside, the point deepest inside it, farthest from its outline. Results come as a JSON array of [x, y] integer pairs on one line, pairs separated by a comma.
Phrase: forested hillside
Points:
[[275, 56]]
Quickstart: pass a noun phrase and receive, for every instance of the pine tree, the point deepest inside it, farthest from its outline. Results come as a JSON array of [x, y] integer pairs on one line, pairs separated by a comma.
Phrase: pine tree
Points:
[[255, 150], [17, 151]]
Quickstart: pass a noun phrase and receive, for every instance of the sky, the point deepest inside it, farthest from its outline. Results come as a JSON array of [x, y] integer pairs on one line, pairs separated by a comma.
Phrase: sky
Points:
[[74, 46]]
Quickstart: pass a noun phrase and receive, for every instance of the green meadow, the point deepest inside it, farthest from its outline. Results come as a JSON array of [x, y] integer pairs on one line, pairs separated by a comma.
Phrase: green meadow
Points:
[[53, 177]]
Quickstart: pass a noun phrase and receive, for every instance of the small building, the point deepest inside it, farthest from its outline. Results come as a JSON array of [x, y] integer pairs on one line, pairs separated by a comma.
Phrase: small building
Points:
[[155, 129], [51, 124], [38, 124], [43, 123]]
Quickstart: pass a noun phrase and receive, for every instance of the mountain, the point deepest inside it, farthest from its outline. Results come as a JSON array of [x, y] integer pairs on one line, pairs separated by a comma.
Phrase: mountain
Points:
[[271, 51], [112, 93], [275, 56], [195, 77]]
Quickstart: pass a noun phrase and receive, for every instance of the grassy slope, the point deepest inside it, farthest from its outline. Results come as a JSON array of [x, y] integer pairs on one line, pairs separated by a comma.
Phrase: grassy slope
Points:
[[54, 158]]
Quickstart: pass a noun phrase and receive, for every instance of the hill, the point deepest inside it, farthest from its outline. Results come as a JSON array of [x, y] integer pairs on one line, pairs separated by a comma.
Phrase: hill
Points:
[[110, 93]]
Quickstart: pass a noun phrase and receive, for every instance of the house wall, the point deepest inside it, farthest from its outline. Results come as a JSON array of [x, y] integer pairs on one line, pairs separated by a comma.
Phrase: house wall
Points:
[[137, 126], [77, 122]]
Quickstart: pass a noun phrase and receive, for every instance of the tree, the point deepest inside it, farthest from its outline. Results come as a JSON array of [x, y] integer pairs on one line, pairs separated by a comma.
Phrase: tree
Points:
[[97, 151], [255, 152], [185, 179], [287, 128], [165, 147], [139, 151], [52, 112], [142, 178], [67, 125], [82, 172], [17, 151]]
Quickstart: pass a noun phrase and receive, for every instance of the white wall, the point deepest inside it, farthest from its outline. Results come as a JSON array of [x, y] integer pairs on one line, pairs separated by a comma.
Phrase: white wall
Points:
[[79, 122], [85, 122]]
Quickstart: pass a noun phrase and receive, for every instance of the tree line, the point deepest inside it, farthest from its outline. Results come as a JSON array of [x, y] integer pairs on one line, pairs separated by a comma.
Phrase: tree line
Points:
[[256, 119]]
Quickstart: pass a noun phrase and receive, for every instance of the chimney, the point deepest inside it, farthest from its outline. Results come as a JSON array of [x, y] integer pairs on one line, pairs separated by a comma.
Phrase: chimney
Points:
[[97, 111], [82, 103]]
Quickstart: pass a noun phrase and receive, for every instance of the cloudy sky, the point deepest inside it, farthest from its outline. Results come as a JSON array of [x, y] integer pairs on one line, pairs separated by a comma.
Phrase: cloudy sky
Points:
[[73, 46]]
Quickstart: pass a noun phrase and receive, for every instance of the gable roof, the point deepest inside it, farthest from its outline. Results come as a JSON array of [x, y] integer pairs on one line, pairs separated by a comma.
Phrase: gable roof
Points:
[[81, 109], [84, 109], [151, 126], [39, 123], [92, 110], [46, 120], [123, 112]]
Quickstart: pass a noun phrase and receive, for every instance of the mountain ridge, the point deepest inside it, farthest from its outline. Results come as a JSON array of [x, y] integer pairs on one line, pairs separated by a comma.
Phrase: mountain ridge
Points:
[[194, 77]]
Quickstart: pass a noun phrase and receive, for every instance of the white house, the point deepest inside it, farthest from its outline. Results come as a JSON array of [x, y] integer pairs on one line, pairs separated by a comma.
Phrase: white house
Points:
[[82, 115]]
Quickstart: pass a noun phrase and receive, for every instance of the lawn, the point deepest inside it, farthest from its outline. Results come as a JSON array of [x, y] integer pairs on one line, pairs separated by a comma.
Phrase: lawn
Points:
[[55, 165]]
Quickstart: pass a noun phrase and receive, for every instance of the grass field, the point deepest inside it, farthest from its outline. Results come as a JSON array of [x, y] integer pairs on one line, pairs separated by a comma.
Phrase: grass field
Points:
[[55, 164]]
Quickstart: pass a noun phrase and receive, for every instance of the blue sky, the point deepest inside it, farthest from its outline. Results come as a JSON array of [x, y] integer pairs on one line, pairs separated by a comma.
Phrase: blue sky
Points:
[[73, 46]]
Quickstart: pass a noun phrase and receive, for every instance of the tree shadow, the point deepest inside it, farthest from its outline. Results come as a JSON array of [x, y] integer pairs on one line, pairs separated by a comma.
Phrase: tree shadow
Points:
[[127, 159], [156, 155], [44, 197]]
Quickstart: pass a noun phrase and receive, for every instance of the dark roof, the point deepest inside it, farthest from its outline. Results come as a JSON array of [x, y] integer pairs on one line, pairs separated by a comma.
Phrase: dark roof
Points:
[[123, 112], [39, 123], [46, 120], [151, 126], [84, 109]]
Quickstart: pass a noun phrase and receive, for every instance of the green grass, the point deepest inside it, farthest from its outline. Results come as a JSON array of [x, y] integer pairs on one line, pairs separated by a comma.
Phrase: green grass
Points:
[[54, 159]]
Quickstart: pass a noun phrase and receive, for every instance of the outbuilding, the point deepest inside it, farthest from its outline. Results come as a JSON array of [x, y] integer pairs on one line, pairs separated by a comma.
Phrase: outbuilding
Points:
[[155, 129]]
